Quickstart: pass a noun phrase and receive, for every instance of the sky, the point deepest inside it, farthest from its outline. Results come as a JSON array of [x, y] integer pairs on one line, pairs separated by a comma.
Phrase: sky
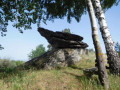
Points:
[[17, 46]]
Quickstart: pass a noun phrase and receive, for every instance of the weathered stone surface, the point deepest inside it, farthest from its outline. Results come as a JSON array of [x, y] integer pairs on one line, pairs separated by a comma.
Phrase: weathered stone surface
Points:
[[62, 40], [90, 71], [56, 58]]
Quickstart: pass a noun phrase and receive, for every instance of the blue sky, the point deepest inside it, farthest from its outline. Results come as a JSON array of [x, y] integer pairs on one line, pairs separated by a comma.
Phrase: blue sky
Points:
[[18, 46]]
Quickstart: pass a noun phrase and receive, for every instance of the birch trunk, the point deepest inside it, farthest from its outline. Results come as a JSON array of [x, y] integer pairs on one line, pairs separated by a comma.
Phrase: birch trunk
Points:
[[113, 57], [102, 72]]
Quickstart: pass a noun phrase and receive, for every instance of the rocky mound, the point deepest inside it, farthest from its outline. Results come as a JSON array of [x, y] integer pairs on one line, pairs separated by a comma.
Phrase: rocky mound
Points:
[[56, 58], [67, 50]]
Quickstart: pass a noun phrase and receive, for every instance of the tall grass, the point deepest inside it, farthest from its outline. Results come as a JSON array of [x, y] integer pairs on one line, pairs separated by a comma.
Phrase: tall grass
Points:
[[70, 78]]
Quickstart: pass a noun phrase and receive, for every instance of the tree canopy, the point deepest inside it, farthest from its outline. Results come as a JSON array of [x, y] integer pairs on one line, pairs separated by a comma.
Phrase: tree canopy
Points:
[[26, 12], [40, 50]]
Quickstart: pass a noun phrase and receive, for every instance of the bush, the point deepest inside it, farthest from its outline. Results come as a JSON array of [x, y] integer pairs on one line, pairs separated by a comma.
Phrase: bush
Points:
[[7, 65], [19, 62], [38, 52]]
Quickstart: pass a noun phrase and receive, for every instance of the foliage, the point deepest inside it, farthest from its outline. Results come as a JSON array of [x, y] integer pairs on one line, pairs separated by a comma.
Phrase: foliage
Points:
[[66, 30], [91, 50], [49, 47], [71, 8], [37, 52], [1, 47], [6, 64], [26, 12], [22, 12], [18, 62], [109, 3]]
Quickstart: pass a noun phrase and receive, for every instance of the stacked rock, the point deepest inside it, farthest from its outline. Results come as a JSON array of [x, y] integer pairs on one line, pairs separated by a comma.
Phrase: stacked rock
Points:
[[62, 40], [66, 52]]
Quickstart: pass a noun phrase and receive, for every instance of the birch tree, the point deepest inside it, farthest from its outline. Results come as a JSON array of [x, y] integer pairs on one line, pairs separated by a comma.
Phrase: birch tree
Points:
[[102, 73], [113, 57]]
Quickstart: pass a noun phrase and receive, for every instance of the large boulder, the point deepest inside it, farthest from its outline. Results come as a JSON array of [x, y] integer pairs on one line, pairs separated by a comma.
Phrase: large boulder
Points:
[[62, 40], [66, 52], [56, 58]]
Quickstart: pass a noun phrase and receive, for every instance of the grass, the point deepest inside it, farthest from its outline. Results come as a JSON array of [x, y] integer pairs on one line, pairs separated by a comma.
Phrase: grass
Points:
[[70, 78]]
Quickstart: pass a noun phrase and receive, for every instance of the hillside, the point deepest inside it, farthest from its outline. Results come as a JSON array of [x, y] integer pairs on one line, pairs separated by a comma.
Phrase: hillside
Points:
[[70, 78]]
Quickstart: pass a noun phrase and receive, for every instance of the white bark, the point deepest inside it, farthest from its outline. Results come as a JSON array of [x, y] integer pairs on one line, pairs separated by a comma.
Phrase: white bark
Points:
[[102, 73], [113, 58], [103, 24]]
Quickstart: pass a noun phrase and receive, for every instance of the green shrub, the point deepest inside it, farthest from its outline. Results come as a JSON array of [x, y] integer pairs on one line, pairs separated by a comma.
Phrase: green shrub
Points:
[[37, 52], [19, 62], [7, 65]]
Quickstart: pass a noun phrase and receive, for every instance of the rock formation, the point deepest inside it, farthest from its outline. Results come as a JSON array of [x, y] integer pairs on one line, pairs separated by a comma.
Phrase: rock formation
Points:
[[62, 40], [66, 52], [56, 58]]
